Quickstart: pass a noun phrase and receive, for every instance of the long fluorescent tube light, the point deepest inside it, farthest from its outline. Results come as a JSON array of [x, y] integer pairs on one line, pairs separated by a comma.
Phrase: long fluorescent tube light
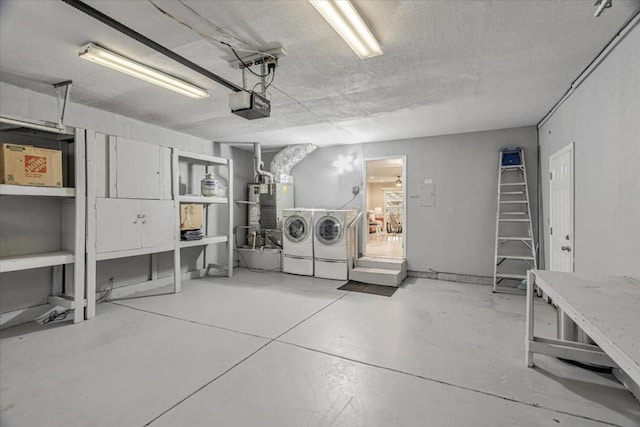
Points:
[[99, 55], [344, 18]]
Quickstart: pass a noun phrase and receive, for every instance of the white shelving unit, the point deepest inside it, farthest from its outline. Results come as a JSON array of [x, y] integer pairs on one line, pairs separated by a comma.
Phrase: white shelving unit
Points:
[[131, 209], [66, 250], [207, 162]]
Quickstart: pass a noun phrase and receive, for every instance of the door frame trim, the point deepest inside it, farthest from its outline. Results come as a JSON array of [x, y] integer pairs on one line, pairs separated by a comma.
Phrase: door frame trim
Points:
[[365, 236], [568, 148]]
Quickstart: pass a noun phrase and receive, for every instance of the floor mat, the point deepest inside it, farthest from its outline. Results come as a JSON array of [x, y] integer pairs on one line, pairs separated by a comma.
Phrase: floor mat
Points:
[[385, 291]]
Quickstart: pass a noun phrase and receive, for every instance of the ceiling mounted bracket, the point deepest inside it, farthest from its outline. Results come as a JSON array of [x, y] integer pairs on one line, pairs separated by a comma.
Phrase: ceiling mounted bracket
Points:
[[270, 56], [602, 5], [63, 89]]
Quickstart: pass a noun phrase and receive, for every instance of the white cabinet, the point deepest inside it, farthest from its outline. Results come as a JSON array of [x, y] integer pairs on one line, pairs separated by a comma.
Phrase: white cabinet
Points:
[[133, 224], [139, 170], [157, 222], [130, 205]]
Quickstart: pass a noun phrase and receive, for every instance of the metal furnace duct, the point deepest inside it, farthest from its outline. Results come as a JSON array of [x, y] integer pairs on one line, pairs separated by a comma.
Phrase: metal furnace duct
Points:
[[287, 158]]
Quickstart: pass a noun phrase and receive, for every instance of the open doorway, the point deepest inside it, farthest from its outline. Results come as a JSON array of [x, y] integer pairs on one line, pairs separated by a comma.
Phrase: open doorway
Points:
[[385, 207]]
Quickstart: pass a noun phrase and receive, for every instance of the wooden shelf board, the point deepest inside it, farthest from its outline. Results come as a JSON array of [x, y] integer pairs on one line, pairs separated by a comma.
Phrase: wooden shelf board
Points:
[[203, 158], [64, 301], [207, 240], [26, 262], [133, 252], [26, 190], [202, 199]]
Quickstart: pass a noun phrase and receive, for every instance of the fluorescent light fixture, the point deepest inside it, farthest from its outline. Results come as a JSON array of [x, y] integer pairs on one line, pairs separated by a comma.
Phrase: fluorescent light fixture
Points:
[[344, 18], [102, 56]]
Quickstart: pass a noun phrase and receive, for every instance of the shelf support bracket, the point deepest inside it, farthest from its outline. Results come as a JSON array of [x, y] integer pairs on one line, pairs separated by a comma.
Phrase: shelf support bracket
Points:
[[63, 89]]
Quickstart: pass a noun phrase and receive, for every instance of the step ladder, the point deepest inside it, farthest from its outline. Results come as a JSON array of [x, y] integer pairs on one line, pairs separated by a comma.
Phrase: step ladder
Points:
[[515, 250]]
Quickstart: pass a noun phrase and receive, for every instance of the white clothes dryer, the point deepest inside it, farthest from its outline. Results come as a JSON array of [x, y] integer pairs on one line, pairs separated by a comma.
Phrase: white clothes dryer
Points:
[[331, 242], [297, 242]]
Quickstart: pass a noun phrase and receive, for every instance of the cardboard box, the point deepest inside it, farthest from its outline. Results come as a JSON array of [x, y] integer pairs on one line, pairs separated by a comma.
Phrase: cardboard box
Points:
[[191, 216], [27, 165]]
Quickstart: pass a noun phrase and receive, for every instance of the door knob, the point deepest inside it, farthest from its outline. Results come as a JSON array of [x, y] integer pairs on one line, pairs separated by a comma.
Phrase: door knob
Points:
[[566, 248]]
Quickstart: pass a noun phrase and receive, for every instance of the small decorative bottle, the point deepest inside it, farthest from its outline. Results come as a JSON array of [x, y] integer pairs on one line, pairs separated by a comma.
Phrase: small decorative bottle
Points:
[[209, 185]]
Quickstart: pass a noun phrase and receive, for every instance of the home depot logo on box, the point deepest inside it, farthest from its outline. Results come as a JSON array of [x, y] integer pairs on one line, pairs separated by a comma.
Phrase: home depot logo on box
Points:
[[27, 165], [34, 165]]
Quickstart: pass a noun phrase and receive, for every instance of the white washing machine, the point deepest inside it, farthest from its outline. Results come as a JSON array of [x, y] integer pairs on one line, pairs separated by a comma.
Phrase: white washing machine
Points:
[[331, 242], [297, 242]]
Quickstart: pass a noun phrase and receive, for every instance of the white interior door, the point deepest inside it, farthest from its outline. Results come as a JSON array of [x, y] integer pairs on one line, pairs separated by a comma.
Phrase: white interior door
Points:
[[561, 210]]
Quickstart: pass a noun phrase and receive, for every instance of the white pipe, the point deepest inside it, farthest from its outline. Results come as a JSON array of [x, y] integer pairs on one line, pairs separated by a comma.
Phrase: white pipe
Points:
[[635, 20], [258, 164]]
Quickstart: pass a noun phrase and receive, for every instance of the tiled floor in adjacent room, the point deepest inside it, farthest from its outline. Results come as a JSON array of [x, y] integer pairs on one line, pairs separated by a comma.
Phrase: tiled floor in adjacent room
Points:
[[270, 349]]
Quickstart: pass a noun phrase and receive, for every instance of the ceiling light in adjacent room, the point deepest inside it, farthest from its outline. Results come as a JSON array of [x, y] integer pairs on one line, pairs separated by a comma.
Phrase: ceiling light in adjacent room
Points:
[[398, 182], [344, 18], [102, 56]]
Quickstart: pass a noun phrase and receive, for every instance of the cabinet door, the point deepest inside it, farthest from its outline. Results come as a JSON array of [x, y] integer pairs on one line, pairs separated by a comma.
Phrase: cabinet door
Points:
[[158, 223], [138, 169], [117, 225]]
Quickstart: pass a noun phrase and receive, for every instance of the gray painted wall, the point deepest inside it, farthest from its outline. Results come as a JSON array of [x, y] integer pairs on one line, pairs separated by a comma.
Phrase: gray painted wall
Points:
[[457, 234], [602, 117], [30, 288]]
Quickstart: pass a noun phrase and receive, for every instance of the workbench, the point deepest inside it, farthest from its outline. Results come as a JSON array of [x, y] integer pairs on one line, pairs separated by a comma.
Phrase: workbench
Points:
[[606, 308]]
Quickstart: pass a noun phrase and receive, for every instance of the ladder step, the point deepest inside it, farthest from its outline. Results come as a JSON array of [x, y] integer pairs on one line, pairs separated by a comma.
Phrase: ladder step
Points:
[[514, 238], [512, 192], [511, 276], [504, 184], [513, 213], [513, 220], [513, 202], [520, 257]]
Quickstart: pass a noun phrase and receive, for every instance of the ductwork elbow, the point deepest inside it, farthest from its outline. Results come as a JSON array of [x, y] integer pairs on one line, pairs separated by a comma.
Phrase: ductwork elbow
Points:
[[287, 158]]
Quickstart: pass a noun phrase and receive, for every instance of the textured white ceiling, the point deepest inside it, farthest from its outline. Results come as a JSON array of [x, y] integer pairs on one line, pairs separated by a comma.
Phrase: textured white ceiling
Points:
[[448, 66]]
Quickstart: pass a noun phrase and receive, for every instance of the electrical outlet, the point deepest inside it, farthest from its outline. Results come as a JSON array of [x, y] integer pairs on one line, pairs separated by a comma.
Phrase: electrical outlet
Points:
[[355, 191]]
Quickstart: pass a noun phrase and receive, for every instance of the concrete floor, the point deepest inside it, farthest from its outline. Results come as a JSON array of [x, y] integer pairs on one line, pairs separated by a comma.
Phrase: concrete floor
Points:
[[270, 349]]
